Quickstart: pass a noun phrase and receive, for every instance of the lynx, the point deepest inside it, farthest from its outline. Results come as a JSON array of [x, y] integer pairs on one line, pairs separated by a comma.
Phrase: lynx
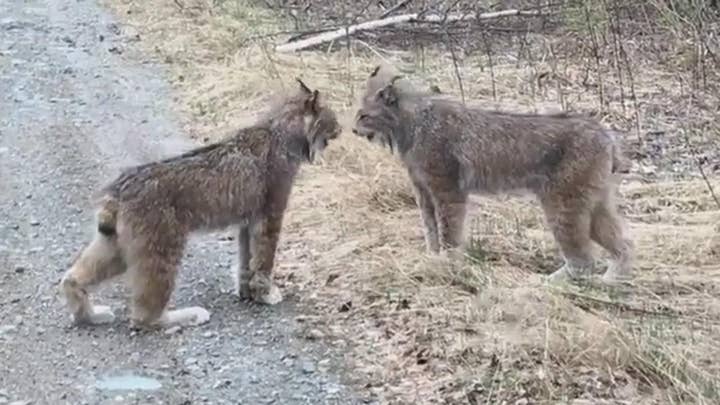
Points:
[[568, 161], [147, 213]]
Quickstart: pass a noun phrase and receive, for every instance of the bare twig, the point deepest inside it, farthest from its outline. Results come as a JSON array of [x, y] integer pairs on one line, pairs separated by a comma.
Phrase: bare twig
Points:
[[698, 160], [395, 8], [400, 19], [458, 76]]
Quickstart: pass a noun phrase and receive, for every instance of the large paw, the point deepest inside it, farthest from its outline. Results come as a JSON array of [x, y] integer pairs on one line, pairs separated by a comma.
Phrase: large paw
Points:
[[100, 314], [271, 297], [190, 316], [242, 291], [612, 277], [566, 274], [196, 316]]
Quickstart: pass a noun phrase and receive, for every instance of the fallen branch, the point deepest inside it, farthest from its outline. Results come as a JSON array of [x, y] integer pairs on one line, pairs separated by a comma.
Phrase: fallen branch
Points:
[[405, 18]]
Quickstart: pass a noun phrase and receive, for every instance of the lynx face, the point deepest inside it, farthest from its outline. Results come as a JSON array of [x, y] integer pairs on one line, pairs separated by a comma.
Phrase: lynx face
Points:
[[323, 128], [321, 124], [379, 116]]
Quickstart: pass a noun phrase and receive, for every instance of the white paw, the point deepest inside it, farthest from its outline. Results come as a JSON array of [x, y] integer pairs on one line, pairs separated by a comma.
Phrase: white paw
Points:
[[197, 315], [190, 316], [101, 314], [613, 277], [559, 276], [274, 296]]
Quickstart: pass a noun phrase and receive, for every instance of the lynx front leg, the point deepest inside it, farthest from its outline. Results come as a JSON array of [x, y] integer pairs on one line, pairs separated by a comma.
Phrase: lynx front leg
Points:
[[427, 210], [242, 272], [263, 243], [449, 202]]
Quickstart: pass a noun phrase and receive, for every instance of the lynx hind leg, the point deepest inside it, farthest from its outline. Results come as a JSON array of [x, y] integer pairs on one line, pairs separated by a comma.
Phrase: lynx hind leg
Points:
[[99, 261], [570, 225], [607, 229], [153, 281]]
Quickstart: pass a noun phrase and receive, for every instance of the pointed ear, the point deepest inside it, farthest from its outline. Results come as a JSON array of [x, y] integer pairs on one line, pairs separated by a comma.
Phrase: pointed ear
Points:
[[375, 71], [303, 87], [388, 95], [312, 103]]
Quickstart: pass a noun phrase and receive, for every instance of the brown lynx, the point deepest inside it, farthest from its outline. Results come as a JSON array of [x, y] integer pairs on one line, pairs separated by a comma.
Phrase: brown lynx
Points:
[[147, 213], [568, 161]]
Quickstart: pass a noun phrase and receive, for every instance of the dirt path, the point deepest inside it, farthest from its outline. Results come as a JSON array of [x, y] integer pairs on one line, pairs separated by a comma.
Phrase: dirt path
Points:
[[72, 112]]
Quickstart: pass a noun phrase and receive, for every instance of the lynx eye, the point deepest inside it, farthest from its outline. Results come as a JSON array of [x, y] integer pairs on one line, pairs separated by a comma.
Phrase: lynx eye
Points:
[[362, 116]]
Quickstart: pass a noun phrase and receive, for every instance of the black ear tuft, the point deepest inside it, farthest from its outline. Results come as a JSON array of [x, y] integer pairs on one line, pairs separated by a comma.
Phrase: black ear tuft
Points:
[[312, 102], [375, 71], [314, 107], [303, 87]]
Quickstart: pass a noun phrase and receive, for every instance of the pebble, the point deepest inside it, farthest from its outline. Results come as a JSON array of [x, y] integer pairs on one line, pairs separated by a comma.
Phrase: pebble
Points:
[[190, 361], [308, 367], [315, 334]]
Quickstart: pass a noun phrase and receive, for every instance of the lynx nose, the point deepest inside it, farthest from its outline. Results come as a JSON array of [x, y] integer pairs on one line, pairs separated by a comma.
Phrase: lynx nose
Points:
[[354, 131]]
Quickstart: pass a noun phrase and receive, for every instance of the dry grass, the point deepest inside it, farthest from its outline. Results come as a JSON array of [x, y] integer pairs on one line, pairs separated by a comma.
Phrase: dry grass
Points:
[[421, 329]]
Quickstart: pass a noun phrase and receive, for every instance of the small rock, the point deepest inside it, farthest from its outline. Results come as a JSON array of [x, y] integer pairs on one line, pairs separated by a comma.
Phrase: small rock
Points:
[[19, 269], [69, 41], [208, 334], [220, 384], [34, 222], [68, 70], [345, 307], [308, 367], [314, 334], [172, 330], [190, 361]]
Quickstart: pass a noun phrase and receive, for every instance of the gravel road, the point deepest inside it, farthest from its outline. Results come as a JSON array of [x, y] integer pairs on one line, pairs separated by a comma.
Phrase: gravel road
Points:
[[72, 113]]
